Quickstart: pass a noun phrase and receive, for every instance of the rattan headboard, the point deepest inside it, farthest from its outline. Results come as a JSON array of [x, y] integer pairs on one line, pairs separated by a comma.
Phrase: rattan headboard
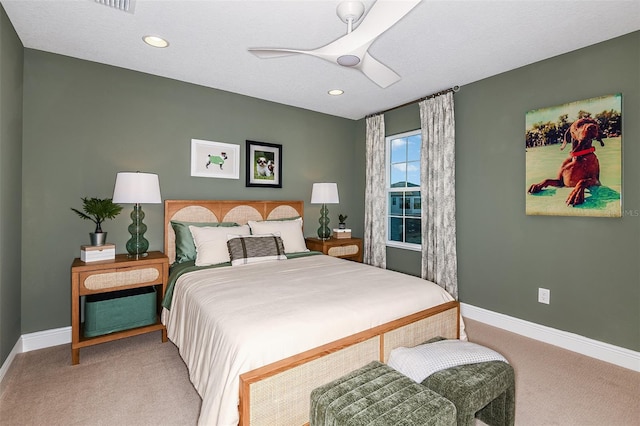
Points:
[[223, 211]]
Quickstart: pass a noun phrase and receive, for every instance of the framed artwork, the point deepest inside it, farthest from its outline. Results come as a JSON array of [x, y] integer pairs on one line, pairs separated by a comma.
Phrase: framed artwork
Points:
[[574, 158], [215, 159], [264, 164]]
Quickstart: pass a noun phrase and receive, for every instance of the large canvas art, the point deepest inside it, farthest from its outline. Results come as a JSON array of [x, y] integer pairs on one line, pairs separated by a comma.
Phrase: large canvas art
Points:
[[574, 158]]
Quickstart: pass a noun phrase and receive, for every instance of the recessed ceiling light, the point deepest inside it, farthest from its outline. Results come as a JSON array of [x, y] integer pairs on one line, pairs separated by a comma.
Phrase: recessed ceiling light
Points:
[[336, 92], [155, 41]]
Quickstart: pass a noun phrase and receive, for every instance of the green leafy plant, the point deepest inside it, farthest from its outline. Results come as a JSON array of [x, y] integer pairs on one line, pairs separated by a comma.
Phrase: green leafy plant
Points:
[[342, 217], [98, 210]]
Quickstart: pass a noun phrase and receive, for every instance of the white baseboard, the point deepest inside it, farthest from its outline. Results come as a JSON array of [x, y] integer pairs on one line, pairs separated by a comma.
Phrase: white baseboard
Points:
[[583, 345], [17, 348], [34, 341], [46, 339]]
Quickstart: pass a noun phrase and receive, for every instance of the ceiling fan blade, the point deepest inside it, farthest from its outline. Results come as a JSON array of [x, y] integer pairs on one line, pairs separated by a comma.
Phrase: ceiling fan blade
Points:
[[279, 53], [377, 72], [273, 53]]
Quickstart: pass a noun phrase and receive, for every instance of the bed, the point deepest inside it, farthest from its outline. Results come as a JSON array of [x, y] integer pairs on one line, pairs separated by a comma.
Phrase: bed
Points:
[[257, 337]]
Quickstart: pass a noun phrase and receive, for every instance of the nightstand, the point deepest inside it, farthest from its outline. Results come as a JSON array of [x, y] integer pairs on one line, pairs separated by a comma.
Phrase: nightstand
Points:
[[104, 276], [345, 248]]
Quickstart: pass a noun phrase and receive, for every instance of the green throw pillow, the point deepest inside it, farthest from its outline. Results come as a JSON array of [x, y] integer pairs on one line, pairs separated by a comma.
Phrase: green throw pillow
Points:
[[185, 247]]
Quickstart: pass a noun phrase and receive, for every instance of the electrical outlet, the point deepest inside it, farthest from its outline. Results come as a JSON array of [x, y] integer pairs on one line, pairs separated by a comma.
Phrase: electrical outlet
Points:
[[544, 295]]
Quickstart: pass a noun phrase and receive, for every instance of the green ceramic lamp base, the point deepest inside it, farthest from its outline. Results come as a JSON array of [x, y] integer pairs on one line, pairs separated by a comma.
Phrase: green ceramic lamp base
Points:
[[137, 245], [323, 231]]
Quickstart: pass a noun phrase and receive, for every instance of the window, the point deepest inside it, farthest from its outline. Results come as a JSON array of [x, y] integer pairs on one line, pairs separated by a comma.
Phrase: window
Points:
[[404, 207]]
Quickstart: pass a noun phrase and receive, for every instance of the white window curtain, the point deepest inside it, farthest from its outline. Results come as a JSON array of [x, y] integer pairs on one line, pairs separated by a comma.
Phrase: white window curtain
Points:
[[375, 250], [437, 176]]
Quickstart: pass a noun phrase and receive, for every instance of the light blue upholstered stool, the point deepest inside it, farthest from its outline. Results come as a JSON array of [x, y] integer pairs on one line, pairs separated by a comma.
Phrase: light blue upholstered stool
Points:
[[377, 395]]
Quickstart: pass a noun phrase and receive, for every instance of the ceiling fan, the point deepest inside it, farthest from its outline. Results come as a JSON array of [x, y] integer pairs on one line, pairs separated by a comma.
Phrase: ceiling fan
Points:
[[351, 50]]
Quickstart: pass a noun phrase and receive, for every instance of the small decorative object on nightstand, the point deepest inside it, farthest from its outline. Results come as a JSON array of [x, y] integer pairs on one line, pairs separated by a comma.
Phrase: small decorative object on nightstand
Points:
[[96, 253], [344, 248], [98, 210], [110, 277], [341, 219], [341, 233]]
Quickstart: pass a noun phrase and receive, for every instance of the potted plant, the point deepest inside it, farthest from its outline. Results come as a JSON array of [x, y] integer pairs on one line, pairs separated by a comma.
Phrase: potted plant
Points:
[[341, 219], [98, 210]]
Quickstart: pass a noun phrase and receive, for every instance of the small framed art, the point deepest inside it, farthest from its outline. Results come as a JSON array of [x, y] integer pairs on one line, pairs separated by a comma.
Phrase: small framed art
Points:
[[264, 164], [215, 159]]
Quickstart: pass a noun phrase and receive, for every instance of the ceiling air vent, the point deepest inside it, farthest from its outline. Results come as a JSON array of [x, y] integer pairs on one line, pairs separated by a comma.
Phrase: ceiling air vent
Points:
[[123, 5]]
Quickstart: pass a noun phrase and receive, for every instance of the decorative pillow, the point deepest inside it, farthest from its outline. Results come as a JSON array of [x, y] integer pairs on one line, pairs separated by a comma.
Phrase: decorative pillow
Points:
[[290, 231], [282, 219], [185, 248], [255, 248], [211, 243], [421, 361]]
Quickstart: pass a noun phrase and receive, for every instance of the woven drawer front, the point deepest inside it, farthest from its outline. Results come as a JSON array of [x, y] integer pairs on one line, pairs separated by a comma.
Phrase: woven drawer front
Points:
[[343, 250], [105, 280]]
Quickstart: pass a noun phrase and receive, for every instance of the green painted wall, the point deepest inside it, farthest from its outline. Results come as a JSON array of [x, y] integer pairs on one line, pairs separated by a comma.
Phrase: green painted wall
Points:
[[84, 122], [11, 59], [591, 265]]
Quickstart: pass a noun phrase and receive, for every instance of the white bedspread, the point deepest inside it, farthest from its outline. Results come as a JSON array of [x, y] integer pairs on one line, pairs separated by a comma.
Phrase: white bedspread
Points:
[[227, 321]]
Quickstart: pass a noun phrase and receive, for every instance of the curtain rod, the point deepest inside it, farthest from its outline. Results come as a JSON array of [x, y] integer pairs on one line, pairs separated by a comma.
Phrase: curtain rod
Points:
[[424, 98]]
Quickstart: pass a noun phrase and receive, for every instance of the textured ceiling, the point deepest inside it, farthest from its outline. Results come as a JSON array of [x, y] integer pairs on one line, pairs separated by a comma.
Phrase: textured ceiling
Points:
[[436, 46]]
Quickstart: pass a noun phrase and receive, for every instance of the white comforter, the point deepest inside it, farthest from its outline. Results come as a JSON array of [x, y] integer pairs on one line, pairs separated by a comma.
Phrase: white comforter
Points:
[[227, 321]]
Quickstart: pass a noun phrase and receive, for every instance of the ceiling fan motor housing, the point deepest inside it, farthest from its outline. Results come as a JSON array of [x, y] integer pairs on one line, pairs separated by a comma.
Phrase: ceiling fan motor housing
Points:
[[350, 11], [348, 60]]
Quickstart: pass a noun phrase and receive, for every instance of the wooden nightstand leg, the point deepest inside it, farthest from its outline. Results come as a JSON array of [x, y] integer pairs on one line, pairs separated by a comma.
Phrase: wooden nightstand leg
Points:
[[75, 356], [164, 335]]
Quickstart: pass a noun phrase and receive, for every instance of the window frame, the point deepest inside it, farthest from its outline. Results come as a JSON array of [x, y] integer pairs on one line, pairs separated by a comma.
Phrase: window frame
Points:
[[389, 189]]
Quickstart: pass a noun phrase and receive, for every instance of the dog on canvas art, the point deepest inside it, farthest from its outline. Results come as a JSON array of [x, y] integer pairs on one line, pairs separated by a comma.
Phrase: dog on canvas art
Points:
[[582, 169]]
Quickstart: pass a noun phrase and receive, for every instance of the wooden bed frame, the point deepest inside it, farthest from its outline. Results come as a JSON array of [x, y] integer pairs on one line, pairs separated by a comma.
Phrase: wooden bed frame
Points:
[[278, 393]]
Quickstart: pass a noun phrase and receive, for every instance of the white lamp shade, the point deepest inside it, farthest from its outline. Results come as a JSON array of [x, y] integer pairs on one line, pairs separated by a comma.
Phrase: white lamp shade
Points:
[[137, 188], [324, 193]]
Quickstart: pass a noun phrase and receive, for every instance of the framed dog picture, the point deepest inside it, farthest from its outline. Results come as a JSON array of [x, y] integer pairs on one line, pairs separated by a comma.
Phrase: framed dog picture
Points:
[[574, 158], [215, 159], [264, 164]]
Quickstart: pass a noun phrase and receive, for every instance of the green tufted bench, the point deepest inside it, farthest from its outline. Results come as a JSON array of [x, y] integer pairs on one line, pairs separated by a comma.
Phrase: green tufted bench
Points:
[[485, 390], [377, 395]]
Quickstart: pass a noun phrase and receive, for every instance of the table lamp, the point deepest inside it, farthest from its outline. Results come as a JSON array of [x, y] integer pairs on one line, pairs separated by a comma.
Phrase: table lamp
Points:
[[137, 188], [324, 193]]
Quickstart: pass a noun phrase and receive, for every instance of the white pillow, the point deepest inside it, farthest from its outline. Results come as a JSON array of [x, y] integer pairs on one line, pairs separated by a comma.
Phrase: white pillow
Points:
[[290, 232], [211, 243], [419, 362]]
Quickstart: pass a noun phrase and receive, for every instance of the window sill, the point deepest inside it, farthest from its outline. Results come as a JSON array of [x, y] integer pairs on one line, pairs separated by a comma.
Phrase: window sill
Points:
[[404, 246]]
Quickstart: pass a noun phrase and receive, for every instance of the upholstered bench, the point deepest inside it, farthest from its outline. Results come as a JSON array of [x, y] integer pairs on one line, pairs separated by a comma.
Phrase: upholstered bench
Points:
[[485, 390], [479, 381], [377, 395]]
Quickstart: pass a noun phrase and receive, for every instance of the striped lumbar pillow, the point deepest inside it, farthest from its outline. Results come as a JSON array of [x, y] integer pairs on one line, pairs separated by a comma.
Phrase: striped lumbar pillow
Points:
[[245, 249]]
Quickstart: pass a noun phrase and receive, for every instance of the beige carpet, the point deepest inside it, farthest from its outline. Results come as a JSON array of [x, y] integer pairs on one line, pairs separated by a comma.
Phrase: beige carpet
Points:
[[555, 386], [140, 381], [134, 381]]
